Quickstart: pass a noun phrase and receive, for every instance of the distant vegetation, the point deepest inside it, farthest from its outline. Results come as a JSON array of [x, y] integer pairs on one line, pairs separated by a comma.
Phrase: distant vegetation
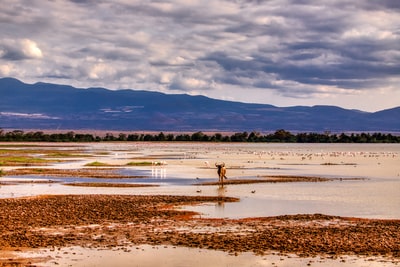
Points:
[[96, 164], [141, 163], [281, 136]]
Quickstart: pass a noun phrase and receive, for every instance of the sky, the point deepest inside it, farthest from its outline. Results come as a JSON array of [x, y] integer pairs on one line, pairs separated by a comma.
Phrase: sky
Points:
[[281, 52]]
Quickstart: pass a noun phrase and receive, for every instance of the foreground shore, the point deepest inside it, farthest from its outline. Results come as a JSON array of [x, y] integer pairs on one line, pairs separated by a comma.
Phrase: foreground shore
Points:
[[115, 220]]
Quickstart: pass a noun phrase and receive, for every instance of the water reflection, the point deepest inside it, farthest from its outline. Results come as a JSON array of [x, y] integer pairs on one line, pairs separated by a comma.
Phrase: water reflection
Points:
[[158, 172], [169, 256], [220, 206]]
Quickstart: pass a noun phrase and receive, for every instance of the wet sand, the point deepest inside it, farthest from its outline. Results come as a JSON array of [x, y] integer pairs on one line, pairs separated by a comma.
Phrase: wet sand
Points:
[[101, 221]]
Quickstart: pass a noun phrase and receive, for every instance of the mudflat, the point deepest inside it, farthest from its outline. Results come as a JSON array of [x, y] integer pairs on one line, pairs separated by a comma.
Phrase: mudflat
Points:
[[115, 220]]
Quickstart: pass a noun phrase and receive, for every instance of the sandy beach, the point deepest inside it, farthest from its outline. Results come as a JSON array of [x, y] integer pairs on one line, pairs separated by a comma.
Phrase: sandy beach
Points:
[[163, 195]]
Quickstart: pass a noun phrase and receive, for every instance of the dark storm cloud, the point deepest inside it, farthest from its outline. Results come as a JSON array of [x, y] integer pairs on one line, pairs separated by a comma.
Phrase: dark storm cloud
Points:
[[10, 53]]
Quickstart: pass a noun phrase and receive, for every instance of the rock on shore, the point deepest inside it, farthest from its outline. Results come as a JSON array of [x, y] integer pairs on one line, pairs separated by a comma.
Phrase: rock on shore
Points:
[[114, 220]]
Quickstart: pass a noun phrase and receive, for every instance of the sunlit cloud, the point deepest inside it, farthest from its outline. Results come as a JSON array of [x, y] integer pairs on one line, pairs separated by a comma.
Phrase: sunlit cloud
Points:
[[19, 49]]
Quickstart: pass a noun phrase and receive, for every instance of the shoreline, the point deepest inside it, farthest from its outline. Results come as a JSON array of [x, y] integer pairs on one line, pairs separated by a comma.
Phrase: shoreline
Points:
[[94, 221]]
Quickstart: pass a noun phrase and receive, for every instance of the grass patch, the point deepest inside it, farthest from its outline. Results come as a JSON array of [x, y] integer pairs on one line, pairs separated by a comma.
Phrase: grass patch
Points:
[[97, 164], [28, 157], [65, 155], [22, 161], [140, 163], [13, 152], [103, 153]]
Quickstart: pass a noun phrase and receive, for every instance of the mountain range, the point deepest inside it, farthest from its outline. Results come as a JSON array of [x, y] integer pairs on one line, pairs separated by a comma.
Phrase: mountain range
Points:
[[51, 106]]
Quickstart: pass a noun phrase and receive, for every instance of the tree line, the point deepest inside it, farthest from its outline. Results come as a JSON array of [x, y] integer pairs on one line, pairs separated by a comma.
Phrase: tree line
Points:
[[281, 136]]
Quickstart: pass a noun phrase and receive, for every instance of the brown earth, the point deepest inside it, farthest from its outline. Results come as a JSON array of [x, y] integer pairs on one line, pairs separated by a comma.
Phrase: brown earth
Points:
[[109, 173], [277, 179], [115, 220], [110, 185]]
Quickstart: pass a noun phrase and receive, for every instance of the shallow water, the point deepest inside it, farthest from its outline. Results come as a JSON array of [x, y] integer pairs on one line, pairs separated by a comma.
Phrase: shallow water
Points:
[[171, 256], [376, 195], [364, 200]]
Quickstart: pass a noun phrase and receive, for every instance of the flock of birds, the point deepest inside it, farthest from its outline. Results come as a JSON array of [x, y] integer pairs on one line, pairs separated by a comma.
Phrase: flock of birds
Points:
[[273, 155], [324, 155]]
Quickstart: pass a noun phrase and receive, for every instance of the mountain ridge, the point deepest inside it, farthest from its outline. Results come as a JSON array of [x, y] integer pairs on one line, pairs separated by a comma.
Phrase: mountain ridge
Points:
[[66, 107]]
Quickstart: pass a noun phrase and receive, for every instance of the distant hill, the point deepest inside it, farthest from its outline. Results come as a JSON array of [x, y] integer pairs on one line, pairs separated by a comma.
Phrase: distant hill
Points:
[[52, 106]]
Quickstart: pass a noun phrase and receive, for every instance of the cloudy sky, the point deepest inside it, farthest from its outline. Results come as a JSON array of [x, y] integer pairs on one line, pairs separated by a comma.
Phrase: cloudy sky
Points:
[[280, 52]]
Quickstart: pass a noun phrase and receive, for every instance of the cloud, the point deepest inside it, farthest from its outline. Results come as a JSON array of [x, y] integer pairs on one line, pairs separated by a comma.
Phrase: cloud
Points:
[[19, 50], [5, 70], [284, 50], [101, 70], [30, 49]]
